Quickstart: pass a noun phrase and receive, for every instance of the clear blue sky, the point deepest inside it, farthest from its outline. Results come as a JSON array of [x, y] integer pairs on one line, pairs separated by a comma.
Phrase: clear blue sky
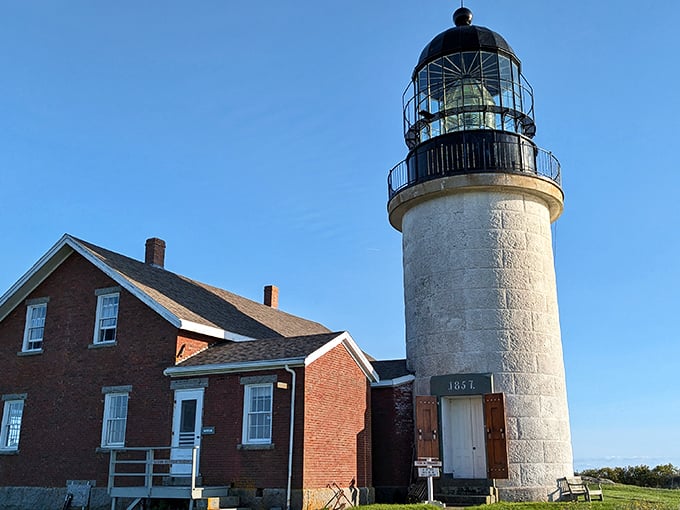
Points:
[[256, 137]]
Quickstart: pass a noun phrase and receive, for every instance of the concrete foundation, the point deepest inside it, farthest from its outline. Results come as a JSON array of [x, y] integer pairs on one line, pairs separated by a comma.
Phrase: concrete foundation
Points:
[[34, 498]]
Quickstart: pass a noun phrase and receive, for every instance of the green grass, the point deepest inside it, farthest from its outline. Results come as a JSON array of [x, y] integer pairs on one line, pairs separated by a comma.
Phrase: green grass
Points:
[[616, 497], [398, 507]]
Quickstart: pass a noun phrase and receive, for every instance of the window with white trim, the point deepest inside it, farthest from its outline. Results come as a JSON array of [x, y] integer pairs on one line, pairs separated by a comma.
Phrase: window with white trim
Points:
[[115, 419], [11, 424], [35, 327], [106, 321], [257, 414]]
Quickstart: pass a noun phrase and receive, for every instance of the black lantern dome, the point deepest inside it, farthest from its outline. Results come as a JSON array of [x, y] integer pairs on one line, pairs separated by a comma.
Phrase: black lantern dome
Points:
[[468, 109], [463, 37]]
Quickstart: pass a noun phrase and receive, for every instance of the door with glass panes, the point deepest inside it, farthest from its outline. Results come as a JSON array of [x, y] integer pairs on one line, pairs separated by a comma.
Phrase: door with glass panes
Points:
[[186, 429]]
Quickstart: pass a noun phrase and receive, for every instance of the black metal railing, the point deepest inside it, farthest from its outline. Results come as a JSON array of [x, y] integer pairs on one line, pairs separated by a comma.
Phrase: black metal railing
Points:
[[473, 156]]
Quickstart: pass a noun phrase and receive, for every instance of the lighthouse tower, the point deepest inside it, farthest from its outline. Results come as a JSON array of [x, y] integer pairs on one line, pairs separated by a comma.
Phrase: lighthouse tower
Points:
[[474, 200]]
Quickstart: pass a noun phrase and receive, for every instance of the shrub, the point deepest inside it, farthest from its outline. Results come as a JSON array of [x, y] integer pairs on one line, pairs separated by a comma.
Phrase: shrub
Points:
[[663, 476]]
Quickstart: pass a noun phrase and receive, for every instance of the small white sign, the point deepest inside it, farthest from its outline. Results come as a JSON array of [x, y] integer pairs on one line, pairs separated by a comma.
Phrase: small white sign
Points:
[[428, 463], [427, 472]]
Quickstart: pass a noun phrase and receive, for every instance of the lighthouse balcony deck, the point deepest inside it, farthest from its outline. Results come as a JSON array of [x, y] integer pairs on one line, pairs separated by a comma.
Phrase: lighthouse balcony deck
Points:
[[473, 152]]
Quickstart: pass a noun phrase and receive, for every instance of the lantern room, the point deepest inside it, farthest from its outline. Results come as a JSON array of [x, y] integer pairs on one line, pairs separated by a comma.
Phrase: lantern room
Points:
[[467, 109]]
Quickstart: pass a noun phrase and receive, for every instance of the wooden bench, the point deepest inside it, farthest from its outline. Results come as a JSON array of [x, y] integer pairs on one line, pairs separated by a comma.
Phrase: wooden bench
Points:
[[594, 493], [571, 488]]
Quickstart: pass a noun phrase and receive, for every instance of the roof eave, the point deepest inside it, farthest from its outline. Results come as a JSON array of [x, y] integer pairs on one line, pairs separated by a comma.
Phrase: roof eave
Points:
[[61, 250], [213, 331], [359, 357], [397, 381], [54, 257], [126, 284], [35, 275], [225, 368]]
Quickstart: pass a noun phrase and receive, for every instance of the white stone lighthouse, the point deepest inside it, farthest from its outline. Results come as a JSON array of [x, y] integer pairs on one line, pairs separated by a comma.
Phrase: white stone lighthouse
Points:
[[474, 200]]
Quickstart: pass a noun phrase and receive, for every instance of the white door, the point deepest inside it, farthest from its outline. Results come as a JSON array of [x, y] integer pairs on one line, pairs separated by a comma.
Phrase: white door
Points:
[[463, 436], [186, 429]]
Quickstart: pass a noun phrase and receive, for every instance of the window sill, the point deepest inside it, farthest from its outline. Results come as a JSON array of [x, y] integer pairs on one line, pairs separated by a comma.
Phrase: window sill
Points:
[[101, 345], [30, 353], [108, 449], [9, 452], [255, 446]]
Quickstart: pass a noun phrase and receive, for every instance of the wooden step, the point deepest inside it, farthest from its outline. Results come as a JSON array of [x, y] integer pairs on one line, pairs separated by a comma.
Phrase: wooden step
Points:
[[465, 492]]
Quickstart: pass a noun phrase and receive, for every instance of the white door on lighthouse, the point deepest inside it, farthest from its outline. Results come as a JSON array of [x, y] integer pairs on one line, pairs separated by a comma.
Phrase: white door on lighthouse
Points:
[[186, 429], [463, 437]]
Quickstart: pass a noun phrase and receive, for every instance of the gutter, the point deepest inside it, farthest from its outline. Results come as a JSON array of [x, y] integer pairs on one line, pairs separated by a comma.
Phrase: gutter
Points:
[[223, 368], [384, 383], [290, 441]]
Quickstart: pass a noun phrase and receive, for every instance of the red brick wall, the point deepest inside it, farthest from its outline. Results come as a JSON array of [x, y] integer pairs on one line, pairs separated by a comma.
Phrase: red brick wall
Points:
[[393, 434], [189, 344], [332, 428], [224, 461], [337, 422], [62, 419]]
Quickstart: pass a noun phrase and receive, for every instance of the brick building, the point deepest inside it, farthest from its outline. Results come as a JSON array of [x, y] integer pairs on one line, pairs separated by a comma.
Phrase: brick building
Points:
[[108, 363], [392, 423], [114, 365]]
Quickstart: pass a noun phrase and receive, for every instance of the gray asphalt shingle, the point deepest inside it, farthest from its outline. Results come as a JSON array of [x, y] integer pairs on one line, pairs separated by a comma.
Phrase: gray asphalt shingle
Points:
[[391, 369], [203, 304], [260, 350]]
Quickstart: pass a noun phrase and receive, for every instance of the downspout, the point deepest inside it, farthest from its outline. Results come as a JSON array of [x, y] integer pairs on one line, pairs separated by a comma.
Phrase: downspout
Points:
[[290, 441]]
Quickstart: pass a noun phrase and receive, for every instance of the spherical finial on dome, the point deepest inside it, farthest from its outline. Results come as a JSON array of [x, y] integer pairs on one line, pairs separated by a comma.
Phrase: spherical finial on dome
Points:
[[462, 17]]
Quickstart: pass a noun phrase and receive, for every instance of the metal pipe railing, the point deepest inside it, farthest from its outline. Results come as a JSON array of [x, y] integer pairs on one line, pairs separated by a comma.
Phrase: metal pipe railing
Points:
[[473, 157], [147, 464]]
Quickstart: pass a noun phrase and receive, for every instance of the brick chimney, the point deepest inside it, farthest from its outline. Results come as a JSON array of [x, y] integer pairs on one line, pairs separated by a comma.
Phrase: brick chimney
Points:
[[271, 296], [155, 252]]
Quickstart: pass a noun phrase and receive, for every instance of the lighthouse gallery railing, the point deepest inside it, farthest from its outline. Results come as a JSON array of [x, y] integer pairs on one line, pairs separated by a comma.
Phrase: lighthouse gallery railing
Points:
[[473, 156]]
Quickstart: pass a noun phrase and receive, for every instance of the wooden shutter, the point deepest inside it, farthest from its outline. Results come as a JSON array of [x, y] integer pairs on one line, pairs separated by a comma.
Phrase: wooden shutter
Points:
[[427, 428], [496, 444]]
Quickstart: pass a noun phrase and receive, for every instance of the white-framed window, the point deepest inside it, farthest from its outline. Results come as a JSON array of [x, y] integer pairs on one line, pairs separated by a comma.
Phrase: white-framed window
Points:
[[106, 321], [115, 419], [35, 327], [257, 414], [11, 424]]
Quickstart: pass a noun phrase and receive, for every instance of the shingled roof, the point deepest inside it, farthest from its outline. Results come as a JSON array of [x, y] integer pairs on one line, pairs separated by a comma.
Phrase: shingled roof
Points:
[[270, 353], [392, 372], [391, 368], [186, 303], [260, 350]]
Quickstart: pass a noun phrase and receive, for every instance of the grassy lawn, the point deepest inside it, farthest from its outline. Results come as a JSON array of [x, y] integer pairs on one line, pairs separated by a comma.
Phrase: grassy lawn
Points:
[[624, 497]]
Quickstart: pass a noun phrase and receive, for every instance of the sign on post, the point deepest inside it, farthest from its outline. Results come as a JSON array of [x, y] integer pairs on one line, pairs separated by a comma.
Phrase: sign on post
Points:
[[428, 463], [428, 468], [427, 472]]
